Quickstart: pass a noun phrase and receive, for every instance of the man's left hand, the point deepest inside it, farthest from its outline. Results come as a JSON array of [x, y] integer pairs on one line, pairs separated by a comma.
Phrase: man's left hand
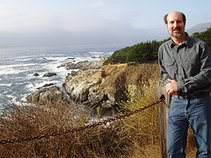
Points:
[[171, 87]]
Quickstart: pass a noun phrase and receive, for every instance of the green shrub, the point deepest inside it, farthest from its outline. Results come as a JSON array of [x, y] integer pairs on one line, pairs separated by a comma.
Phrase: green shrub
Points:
[[205, 36], [146, 52], [141, 53]]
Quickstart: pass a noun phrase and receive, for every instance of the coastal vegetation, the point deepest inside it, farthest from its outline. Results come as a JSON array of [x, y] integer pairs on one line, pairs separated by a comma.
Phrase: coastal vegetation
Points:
[[146, 52], [205, 36], [142, 52], [134, 137]]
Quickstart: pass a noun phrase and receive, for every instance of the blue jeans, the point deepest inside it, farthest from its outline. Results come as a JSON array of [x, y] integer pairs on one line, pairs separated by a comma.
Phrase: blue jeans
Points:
[[184, 111]]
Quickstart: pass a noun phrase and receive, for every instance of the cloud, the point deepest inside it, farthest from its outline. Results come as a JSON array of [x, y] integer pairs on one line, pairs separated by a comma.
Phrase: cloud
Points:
[[53, 22], [19, 18], [70, 16]]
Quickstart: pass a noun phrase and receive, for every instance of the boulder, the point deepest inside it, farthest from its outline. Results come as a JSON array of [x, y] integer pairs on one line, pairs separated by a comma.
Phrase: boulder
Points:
[[46, 85], [47, 95], [49, 74], [78, 86], [36, 74]]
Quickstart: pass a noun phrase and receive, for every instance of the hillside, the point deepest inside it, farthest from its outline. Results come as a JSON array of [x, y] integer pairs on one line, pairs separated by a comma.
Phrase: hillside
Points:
[[199, 28], [146, 52]]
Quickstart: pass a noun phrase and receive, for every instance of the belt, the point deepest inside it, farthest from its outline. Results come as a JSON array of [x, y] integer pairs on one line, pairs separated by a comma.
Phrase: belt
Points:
[[192, 95]]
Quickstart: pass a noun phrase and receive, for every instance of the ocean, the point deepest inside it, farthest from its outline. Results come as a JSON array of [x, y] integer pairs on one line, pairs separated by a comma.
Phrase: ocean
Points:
[[19, 64]]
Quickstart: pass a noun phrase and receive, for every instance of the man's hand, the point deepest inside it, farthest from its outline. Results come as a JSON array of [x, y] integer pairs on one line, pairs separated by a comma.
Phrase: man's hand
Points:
[[171, 87]]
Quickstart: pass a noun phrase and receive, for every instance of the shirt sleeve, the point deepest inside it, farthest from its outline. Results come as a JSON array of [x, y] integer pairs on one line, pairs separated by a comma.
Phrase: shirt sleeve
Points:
[[203, 78], [165, 76]]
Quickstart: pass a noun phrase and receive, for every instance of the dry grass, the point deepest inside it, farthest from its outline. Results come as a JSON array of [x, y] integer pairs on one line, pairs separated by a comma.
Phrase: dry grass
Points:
[[27, 121], [145, 126], [134, 137]]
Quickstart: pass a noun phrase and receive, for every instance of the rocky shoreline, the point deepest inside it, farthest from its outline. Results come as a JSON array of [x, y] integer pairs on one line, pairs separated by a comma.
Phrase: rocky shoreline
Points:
[[97, 87]]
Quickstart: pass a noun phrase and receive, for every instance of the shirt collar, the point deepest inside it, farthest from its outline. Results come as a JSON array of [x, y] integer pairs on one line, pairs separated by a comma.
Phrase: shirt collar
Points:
[[186, 42]]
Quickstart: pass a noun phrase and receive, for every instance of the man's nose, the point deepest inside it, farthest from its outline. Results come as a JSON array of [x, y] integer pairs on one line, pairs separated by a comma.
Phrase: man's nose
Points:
[[175, 24]]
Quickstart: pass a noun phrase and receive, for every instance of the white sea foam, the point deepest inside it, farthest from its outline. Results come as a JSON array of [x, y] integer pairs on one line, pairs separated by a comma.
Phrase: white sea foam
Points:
[[56, 58], [13, 98], [96, 54], [5, 85], [23, 59], [33, 86], [14, 69]]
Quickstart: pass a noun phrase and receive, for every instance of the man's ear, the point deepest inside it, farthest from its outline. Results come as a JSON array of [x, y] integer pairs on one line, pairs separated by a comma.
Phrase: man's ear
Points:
[[166, 25]]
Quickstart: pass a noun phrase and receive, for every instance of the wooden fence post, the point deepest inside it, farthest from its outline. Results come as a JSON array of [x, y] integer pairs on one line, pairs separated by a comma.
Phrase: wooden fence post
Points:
[[163, 118]]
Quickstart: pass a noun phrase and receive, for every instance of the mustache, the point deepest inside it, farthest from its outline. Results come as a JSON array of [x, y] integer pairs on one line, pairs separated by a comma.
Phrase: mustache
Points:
[[177, 29]]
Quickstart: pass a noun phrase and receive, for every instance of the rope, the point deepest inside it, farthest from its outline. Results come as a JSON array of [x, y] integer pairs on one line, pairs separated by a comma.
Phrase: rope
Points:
[[77, 129]]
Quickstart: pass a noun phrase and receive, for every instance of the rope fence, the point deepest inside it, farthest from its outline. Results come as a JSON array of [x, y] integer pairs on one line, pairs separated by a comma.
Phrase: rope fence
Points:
[[81, 128]]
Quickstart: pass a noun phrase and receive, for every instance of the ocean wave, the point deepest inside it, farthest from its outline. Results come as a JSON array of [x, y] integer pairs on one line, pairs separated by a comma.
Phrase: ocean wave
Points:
[[56, 58], [5, 85], [15, 68], [36, 85]]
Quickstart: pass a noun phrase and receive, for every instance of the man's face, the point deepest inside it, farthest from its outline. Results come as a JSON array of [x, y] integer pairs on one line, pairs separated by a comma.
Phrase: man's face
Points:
[[175, 25]]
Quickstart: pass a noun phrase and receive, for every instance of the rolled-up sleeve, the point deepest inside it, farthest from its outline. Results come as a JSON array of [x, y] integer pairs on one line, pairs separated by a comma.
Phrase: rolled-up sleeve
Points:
[[188, 64], [201, 79]]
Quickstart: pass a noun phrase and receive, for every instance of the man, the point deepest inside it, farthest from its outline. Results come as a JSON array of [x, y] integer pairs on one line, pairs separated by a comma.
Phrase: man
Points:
[[185, 65]]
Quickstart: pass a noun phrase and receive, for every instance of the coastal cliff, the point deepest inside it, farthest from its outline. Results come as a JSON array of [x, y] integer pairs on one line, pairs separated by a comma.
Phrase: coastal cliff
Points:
[[100, 88]]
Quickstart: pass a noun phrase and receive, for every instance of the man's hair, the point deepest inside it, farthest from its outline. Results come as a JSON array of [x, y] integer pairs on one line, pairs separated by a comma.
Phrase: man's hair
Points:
[[183, 17]]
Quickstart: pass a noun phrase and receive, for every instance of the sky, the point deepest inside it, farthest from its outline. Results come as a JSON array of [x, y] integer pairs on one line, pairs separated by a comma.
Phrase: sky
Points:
[[92, 22]]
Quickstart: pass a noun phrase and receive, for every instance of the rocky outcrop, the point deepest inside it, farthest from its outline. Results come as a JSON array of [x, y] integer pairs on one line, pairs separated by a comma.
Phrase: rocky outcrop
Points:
[[101, 89], [82, 65], [104, 89], [48, 95], [49, 74], [36, 74]]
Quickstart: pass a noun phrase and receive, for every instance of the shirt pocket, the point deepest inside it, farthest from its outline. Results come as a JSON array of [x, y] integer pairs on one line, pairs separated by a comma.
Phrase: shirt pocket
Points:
[[171, 68], [192, 65]]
